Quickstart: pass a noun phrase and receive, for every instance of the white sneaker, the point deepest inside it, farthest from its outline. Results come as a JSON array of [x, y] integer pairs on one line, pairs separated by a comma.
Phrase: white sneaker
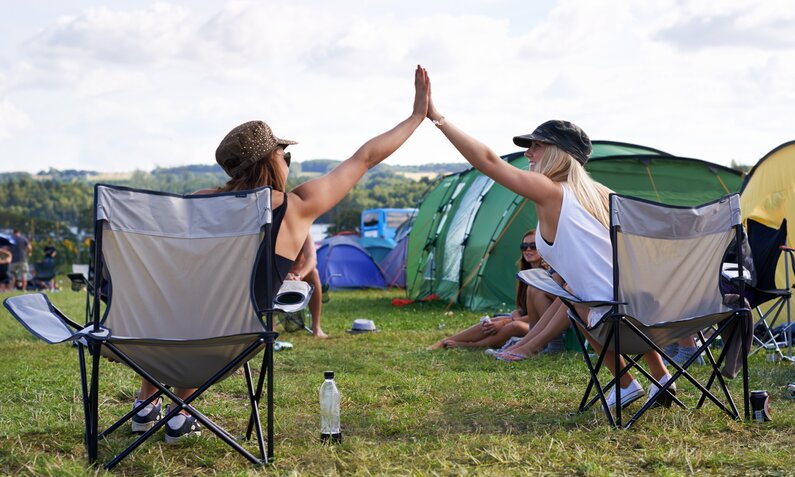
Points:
[[665, 399], [628, 394]]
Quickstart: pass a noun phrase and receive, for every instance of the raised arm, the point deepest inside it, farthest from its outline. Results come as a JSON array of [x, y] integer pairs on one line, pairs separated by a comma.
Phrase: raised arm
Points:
[[319, 195], [532, 185]]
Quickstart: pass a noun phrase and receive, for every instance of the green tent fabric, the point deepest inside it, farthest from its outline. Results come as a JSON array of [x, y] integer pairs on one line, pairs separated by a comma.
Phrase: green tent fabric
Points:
[[464, 244]]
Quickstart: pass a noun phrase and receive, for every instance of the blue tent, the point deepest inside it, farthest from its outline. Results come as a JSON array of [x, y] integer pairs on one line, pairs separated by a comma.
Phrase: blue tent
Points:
[[343, 263], [394, 264], [378, 248]]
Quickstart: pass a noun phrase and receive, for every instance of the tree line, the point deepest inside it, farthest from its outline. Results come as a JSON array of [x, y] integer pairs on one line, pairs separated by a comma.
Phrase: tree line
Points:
[[57, 206]]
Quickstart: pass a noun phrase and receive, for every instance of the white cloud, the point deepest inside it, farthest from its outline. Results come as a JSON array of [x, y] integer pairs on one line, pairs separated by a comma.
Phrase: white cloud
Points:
[[120, 87], [12, 120], [113, 36]]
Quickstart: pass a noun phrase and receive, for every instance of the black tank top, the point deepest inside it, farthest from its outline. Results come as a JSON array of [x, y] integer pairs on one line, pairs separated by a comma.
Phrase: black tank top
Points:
[[281, 264]]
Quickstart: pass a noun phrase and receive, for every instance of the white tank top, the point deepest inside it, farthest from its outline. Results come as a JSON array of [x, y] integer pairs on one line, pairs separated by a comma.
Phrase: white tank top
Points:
[[581, 253]]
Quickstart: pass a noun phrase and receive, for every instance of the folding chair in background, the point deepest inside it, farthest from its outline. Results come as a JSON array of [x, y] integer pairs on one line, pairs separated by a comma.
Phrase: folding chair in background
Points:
[[666, 270], [45, 274], [189, 301], [767, 245]]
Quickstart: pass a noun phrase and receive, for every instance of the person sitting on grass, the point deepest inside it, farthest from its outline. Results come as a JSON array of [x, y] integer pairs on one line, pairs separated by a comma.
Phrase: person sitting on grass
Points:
[[551, 326], [530, 305]]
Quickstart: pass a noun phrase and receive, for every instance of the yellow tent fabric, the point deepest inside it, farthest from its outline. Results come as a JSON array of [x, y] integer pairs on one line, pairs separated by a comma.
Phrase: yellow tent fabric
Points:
[[768, 197]]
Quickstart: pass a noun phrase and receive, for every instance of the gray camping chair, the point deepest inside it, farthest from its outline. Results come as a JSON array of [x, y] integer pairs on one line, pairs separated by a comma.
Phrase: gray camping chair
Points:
[[666, 267], [166, 317]]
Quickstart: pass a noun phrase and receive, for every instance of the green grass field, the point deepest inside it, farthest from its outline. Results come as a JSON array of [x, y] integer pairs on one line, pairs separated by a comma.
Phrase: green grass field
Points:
[[405, 410]]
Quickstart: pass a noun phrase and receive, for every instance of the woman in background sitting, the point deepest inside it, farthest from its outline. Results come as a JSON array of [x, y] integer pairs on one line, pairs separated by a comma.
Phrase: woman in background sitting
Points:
[[530, 305]]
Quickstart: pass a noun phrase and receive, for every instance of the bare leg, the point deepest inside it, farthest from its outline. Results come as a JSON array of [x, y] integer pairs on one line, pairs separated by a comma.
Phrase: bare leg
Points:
[[652, 358], [147, 389], [553, 322], [473, 333], [537, 304], [514, 328], [315, 303], [656, 366]]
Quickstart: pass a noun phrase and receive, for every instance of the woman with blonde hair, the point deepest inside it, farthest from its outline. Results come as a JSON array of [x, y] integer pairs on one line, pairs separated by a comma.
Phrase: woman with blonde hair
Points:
[[573, 218]]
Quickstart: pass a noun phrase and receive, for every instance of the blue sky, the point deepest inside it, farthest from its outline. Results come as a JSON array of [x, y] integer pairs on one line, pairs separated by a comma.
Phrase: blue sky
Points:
[[125, 85]]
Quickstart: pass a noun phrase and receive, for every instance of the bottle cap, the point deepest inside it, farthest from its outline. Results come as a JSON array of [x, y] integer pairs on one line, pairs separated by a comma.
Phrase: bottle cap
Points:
[[328, 374]]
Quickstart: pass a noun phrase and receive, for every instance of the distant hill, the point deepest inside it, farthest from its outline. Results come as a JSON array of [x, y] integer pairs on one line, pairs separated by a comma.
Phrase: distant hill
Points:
[[322, 166], [214, 172]]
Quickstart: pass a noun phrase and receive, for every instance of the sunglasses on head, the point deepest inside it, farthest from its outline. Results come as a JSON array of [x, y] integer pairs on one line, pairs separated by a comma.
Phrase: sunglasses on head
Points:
[[287, 158], [527, 245]]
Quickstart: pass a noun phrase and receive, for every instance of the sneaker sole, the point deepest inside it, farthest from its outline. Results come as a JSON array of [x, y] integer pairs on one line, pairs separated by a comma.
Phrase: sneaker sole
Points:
[[141, 427], [625, 403], [666, 399], [175, 440]]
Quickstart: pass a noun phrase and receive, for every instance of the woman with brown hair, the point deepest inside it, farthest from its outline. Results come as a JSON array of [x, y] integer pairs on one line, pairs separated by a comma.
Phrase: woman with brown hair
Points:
[[530, 305], [253, 156]]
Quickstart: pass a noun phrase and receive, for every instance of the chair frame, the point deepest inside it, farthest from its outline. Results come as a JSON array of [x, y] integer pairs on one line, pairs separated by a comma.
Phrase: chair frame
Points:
[[782, 299], [616, 321], [93, 336]]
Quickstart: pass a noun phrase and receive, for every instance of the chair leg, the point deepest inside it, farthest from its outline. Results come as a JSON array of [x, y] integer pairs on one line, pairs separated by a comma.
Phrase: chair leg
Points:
[[741, 328], [254, 402], [269, 354], [94, 404], [185, 404], [258, 394], [619, 371], [87, 406], [746, 397], [770, 338], [593, 371]]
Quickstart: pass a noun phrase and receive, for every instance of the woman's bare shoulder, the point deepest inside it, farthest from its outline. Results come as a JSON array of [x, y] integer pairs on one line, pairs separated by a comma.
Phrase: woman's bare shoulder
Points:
[[278, 196]]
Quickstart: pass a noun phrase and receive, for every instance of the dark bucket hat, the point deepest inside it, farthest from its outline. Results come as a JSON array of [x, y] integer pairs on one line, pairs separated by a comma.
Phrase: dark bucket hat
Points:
[[567, 136], [245, 145]]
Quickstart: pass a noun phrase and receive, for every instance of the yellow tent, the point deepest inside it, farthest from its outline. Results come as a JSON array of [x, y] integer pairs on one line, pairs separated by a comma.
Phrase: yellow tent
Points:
[[768, 197]]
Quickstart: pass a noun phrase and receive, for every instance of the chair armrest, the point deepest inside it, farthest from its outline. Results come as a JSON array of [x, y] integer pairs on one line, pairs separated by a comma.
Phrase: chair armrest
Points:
[[35, 312], [538, 278], [541, 280]]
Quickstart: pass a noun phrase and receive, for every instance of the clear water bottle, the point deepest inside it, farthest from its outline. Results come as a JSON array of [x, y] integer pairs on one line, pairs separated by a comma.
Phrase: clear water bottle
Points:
[[329, 410]]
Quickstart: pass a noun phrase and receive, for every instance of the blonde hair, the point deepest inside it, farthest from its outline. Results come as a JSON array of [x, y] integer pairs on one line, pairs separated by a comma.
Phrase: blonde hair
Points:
[[560, 166]]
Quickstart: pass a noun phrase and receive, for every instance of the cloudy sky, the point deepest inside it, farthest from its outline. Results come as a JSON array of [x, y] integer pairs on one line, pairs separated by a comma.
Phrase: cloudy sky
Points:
[[123, 85]]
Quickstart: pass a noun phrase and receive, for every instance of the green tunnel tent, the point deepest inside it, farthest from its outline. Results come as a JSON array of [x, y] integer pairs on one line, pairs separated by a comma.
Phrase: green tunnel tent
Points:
[[464, 244]]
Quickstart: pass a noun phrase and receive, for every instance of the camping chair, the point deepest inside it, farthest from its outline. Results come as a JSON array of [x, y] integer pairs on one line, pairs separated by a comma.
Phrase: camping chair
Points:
[[45, 274], [767, 244], [666, 267], [166, 317], [82, 276]]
